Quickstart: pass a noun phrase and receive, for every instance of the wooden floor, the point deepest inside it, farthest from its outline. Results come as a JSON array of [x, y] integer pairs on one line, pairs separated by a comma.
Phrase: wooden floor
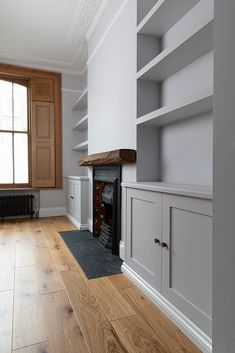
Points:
[[48, 306]]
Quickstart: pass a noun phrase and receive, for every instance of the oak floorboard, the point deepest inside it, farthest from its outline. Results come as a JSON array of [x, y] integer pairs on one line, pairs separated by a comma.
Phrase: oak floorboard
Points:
[[6, 311], [113, 304], [121, 281], [36, 348], [7, 268], [97, 330], [62, 257], [48, 277], [28, 322], [25, 256], [7, 237], [63, 330], [137, 336], [171, 337]]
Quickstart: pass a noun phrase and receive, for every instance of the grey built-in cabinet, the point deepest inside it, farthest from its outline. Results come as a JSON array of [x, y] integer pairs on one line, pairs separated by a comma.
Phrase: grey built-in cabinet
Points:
[[169, 245], [77, 200]]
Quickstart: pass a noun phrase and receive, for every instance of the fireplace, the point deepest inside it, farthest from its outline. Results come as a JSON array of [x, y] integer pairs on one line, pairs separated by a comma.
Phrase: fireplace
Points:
[[107, 206]]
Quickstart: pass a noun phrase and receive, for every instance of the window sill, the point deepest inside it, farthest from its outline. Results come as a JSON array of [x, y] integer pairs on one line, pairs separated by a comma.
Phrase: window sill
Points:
[[8, 188]]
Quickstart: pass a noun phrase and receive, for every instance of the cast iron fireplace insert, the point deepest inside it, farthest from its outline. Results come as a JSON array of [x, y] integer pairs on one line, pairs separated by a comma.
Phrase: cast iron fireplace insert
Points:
[[107, 206]]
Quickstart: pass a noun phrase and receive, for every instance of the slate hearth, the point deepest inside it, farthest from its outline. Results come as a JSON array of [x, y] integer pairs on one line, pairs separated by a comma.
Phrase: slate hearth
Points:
[[95, 260]]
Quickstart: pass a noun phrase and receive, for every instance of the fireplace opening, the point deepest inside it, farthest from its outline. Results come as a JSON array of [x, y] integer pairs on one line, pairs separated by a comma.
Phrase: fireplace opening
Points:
[[107, 206]]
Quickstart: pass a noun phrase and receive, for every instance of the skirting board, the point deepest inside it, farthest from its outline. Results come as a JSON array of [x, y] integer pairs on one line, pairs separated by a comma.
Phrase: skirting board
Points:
[[121, 250], [77, 224], [193, 332], [52, 212]]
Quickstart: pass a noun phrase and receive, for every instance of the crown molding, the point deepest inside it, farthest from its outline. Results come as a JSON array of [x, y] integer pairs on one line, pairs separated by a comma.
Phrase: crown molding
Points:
[[108, 29], [96, 18], [83, 16]]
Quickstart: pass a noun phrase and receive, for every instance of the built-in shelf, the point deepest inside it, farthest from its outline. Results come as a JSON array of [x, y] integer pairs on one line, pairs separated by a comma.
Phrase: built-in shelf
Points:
[[199, 191], [81, 146], [81, 124], [163, 15], [194, 45], [81, 103], [77, 177], [199, 103]]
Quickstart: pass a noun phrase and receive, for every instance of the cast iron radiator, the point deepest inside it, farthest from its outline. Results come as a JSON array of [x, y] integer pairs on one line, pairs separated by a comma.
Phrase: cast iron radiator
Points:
[[16, 205]]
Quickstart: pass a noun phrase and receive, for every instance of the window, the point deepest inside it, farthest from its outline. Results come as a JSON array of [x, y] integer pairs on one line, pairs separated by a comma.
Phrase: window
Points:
[[14, 132], [30, 128]]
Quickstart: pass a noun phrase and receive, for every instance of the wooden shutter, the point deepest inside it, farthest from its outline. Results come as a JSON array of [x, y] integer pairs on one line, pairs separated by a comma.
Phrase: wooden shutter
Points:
[[43, 145], [42, 89]]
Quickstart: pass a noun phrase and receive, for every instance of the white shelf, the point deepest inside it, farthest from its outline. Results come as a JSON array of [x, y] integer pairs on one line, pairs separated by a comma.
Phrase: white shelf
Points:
[[81, 124], [81, 103], [182, 53], [77, 177], [199, 191], [81, 146], [163, 15], [201, 102]]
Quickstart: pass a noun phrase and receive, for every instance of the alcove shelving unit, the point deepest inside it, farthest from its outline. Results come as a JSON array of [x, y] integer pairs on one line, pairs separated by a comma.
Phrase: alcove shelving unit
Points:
[[172, 196], [159, 61], [82, 125]]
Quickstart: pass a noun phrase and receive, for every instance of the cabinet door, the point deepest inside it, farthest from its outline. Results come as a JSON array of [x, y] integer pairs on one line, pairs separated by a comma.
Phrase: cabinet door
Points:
[[70, 196], [77, 201], [187, 259], [143, 232]]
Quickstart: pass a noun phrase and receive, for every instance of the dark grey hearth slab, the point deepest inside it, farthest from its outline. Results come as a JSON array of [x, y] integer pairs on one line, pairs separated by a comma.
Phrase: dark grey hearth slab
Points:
[[95, 260]]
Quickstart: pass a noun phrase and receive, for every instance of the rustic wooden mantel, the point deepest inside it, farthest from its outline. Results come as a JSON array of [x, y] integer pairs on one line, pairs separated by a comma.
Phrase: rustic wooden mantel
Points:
[[116, 157]]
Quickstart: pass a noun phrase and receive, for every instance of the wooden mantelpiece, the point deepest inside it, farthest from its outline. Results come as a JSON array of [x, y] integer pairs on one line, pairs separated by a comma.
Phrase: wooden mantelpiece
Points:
[[116, 157]]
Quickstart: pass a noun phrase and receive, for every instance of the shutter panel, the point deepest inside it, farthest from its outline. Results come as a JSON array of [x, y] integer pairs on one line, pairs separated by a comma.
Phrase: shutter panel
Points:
[[43, 145], [42, 89]]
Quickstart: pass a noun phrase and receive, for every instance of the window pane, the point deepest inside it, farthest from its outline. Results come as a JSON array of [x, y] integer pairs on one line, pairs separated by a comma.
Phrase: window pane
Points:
[[20, 107], [5, 105], [6, 164], [21, 158]]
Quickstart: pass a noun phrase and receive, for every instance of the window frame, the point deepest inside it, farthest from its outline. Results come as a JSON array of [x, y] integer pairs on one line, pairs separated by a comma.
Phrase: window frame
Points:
[[29, 74], [24, 82]]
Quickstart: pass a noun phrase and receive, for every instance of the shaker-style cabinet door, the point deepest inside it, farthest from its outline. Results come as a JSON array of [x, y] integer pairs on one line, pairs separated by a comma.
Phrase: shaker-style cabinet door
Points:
[[187, 257], [77, 201], [70, 196], [144, 235]]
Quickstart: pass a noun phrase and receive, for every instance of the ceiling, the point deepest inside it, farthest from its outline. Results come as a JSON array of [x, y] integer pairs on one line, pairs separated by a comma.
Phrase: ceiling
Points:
[[48, 34]]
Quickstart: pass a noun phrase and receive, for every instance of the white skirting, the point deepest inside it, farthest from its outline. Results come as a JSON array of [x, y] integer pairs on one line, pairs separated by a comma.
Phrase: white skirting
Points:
[[192, 331]]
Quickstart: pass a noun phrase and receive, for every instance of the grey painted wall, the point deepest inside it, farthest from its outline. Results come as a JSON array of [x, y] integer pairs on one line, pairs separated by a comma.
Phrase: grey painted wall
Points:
[[186, 151], [224, 179], [112, 83], [56, 198]]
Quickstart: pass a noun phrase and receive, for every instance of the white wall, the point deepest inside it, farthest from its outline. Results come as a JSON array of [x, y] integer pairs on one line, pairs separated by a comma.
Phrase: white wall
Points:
[[72, 86], [186, 151], [112, 83], [224, 179]]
